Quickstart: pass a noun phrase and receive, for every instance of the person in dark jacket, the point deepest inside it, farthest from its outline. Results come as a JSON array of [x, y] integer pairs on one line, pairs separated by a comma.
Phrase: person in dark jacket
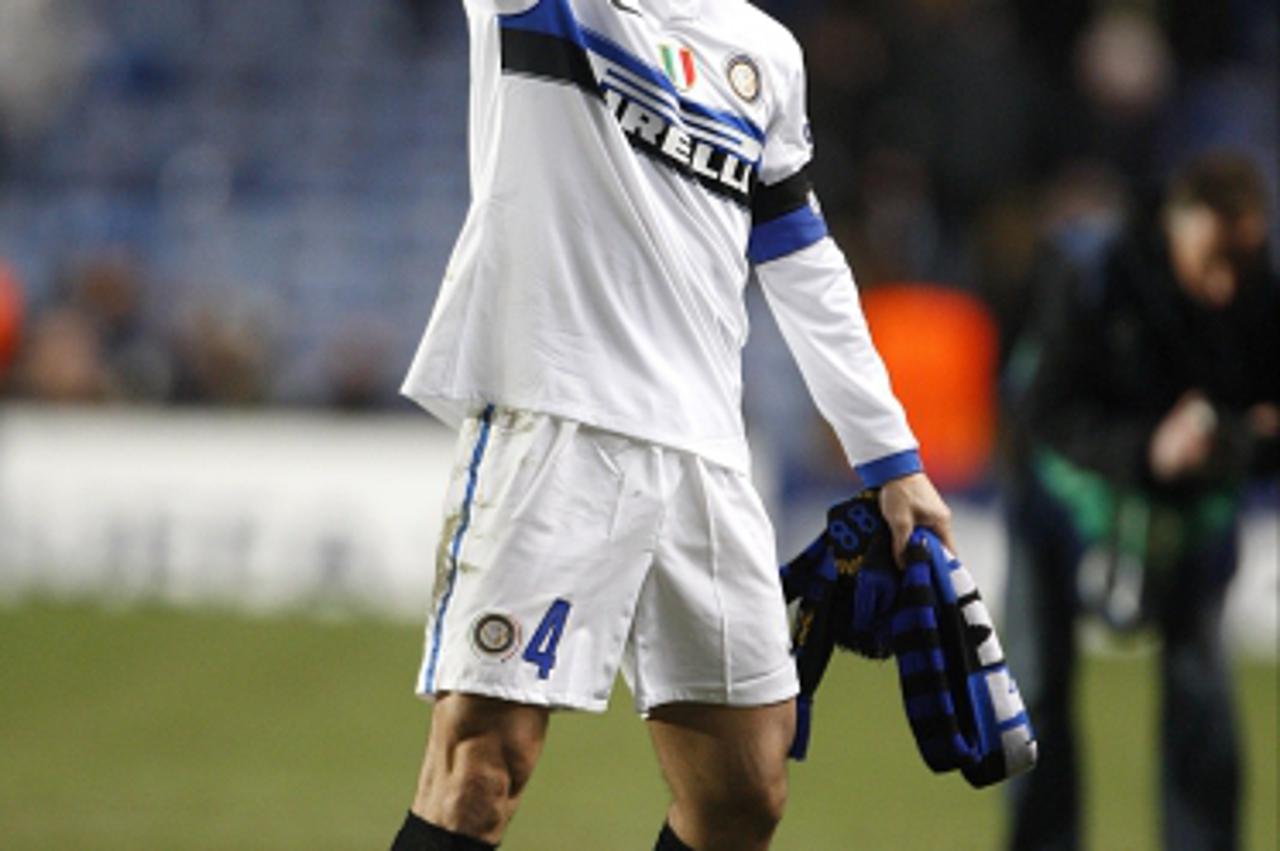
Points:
[[1149, 395]]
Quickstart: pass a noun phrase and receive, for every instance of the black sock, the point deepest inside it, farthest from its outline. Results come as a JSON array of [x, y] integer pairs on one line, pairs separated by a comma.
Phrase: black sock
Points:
[[668, 841], [418, 835]]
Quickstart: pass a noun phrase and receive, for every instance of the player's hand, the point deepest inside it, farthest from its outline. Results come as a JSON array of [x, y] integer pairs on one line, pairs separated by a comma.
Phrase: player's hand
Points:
[[913, 501]]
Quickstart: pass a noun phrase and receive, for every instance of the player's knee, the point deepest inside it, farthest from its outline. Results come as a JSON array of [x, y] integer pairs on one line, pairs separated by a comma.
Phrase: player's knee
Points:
[[763, 804], [750, 808]]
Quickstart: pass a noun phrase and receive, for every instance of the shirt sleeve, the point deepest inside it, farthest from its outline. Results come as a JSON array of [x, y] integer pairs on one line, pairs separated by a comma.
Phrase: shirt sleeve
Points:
[[812, 295], [784, 215], [500, 7], [811, 292]]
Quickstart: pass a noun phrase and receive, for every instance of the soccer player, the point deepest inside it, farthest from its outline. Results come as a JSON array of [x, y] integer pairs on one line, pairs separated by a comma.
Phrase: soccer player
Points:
[[633, 164]]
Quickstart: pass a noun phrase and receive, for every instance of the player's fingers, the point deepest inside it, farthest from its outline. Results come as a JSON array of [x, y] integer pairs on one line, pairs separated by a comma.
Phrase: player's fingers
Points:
[[900, 528], [939, 520], [944, 532], [910, 502]]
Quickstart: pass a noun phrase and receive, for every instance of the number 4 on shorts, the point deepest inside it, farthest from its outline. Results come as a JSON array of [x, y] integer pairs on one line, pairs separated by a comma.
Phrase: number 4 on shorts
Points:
[[541, 649]]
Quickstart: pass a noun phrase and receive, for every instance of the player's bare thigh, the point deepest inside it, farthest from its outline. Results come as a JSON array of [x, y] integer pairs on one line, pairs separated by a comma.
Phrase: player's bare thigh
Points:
[[480, 755], [727, 769]]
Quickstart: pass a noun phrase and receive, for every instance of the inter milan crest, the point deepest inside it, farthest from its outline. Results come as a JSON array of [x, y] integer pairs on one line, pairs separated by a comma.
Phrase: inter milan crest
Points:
[[495, 635], [678, 65], [744, 77]]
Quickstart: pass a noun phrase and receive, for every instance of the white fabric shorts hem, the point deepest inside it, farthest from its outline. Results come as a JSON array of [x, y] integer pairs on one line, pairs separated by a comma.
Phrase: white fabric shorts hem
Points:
[[775, 688], [529, 698]]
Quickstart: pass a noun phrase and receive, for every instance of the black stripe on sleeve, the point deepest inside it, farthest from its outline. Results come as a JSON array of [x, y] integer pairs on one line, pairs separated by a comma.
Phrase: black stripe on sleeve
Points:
[[549, 57], [776, 200]]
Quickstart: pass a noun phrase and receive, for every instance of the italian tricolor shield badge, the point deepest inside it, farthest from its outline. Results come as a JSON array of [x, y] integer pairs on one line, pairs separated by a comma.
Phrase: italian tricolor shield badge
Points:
[[677, 62]]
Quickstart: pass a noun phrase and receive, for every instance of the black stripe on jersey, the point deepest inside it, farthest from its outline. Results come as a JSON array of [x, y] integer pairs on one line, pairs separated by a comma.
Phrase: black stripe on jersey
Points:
[[549, 57], [775, 201], [653, 134], [650, 132]]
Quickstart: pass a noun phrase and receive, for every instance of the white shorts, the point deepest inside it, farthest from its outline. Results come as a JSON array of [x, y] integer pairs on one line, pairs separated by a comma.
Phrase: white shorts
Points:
[[567, 551]]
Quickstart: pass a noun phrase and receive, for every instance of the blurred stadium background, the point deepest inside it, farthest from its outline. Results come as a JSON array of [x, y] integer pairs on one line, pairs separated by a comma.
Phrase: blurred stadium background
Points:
[[222, 224]]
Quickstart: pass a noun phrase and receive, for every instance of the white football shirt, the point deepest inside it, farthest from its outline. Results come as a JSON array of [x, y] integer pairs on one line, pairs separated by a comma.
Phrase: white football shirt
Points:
[[632, 163]]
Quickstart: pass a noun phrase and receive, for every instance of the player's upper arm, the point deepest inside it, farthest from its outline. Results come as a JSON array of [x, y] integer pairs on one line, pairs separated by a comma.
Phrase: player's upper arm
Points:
[[501, 7], [784, 213]]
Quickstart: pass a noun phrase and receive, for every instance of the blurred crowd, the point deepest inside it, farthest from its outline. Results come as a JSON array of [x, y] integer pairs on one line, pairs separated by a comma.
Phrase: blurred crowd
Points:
[[239, 202], [954, 133], [224, 201]]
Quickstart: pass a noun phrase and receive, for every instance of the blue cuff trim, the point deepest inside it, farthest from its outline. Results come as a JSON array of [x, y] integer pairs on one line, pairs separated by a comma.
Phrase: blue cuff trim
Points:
[[779, 237], [876, 473]]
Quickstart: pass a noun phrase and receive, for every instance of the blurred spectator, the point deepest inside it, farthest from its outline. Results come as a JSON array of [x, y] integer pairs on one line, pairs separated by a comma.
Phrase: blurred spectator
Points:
[[1144, 394], [222, 356], [896, 234], [63, 360], [107, 289], [1124, 75], [1124, 65], [44, 45], [361, 373], [91, 341], [11, 310], [939, 88], [1084, 203]]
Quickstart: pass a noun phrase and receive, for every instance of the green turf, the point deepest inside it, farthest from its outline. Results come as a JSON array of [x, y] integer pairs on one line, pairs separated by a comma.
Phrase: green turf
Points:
[[155, 729]]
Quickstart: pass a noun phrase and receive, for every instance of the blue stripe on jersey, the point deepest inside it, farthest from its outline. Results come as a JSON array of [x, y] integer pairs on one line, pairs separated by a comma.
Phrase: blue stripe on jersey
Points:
[[477, 454], [876, 473], [741, 122], [634, 90], [614, 52], [555, 17], [779, 237], [552, 17], [716, 140]]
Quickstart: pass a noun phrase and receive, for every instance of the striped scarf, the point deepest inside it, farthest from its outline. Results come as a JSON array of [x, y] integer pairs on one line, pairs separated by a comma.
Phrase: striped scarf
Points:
[[961, 701]]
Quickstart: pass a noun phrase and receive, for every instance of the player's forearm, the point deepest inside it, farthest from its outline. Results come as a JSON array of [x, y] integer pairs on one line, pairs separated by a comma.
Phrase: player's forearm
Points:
[[812, 294]]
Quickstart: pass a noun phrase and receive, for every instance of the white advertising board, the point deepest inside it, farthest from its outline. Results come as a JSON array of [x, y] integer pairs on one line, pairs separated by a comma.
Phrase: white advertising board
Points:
[[316, 512], [261, 510]]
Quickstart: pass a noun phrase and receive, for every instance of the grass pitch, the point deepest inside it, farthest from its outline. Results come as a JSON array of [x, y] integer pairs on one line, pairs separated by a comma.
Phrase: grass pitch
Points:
[[158, 729]]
